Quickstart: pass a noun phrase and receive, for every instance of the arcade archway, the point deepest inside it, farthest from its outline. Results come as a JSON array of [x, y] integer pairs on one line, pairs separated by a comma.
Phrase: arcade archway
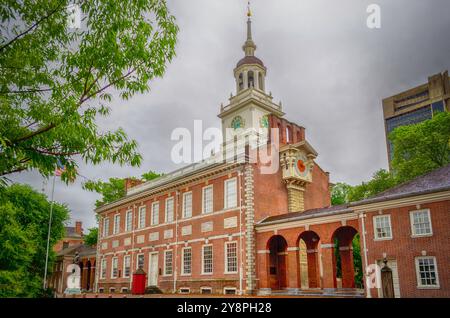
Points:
[[277, 247]]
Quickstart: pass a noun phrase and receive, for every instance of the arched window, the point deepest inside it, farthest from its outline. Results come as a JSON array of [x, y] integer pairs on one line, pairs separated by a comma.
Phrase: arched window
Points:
[[260, 81], [241, 82], [251, 79]]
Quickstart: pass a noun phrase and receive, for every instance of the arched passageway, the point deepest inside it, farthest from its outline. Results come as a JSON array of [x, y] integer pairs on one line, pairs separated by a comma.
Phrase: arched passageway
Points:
[[308, 242], [343, 256], [277, 247]]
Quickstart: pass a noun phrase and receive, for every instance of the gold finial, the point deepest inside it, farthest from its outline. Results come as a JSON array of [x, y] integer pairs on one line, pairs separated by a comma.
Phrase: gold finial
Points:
[[249, 13]]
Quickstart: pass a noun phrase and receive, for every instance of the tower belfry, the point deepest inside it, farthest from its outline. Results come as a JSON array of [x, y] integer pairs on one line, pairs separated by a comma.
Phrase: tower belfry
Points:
[[248, 110]]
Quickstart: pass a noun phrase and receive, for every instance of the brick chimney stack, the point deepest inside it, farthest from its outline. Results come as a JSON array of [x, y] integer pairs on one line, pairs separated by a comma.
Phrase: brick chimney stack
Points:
[[78, 227]]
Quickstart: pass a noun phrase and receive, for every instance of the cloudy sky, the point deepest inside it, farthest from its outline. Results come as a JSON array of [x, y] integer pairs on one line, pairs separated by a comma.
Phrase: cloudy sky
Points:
[[329, 70]]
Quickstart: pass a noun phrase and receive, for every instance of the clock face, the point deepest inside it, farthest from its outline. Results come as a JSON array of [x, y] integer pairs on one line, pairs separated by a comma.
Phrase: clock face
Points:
[[302, 167], [237, 122], [264, 121]]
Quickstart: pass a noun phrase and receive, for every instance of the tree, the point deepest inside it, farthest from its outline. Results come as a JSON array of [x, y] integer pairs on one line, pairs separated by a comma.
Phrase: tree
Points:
[[24, 216], [381, 181], [55, 81], [91, 238], [114, 188], [421, 148], [339, 193]]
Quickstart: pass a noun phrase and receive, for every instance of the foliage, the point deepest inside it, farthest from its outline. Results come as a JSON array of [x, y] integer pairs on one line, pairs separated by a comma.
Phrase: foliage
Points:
[[114, 188], [421, 148], [339, 193], [381, 181], [357, 261], [24, 216], [91, 238], [54, 80]]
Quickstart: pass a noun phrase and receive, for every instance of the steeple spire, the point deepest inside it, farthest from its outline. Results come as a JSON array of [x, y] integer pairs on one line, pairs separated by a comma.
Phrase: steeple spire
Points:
[[249, 46]]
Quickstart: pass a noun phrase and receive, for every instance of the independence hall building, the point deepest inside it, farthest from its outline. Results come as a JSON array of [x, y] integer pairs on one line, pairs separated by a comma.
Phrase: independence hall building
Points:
[[232, 227]]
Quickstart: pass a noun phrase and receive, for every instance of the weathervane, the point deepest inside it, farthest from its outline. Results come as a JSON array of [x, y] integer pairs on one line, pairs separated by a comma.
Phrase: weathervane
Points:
[[249, 13]]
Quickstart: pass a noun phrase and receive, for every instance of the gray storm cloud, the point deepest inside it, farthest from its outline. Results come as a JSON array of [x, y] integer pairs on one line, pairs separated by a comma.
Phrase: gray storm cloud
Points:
[[329, 70]]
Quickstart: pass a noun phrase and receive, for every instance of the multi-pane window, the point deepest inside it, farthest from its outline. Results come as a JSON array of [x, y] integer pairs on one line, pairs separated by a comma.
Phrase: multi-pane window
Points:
[[231, 257], [126, 266], [382, 227], [230, 193], [155, 213], [420, 222], [105, 227], [140, 261], [207, 199], [129, 221], [427, 275], [103, 268], [169, 210], [114, 267], [186, 268], [207, 263], [168, 262], [187, 205], [116, 225], [141, 219]]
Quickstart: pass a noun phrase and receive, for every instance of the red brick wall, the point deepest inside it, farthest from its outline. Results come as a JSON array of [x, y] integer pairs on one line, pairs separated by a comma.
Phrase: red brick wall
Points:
[[404, 248], [218, 279], [317, 193]]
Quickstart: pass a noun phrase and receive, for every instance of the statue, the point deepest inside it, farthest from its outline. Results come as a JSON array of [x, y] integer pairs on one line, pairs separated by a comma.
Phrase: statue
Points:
[[74, 279]]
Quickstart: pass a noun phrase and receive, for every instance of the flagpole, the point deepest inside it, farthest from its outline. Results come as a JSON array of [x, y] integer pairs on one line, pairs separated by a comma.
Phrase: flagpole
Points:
[[48, 234]]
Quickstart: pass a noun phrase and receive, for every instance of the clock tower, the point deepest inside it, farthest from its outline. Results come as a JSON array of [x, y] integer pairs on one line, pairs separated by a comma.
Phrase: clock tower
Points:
[[247, 112]]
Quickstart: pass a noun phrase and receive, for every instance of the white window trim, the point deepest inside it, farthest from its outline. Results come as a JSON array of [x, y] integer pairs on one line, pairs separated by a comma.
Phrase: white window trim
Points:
[[112, 289], [205, 288], [137, 258], [186, 288], [182, 261], [124, 258], [112, 267], [419, 283], [203, 199], [124, 290], [105, 229], [116, 230], [225, 206], [165, 210], [142, 208], [101, 268], [230, 288], [164, 269], [226, 258], [203, 259], [411, 221], [375, 238], [152, 213], [184, 202], [126, 221]]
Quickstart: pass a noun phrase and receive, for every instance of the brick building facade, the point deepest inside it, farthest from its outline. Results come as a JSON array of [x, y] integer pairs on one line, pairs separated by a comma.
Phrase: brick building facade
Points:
[[224, 226]]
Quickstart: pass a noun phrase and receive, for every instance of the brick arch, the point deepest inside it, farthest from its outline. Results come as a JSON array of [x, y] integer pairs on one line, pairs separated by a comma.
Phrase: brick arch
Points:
[[345, 235], [312, 240], [277, 263]]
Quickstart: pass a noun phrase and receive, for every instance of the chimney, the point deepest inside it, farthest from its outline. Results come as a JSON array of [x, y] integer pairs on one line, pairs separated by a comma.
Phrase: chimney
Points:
[[78, 227]]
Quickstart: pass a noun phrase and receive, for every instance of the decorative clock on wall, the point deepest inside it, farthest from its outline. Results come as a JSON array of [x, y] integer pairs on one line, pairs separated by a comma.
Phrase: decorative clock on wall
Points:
[[303, 166], [237, 122], [264, 121]]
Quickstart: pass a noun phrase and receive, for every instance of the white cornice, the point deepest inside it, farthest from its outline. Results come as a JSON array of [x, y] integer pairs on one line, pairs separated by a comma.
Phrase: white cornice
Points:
[[312, 221], [182, 181], [412, 200]]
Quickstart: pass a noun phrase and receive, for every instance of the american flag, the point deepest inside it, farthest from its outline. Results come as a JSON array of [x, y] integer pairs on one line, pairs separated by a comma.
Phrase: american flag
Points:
[[59, 169]]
